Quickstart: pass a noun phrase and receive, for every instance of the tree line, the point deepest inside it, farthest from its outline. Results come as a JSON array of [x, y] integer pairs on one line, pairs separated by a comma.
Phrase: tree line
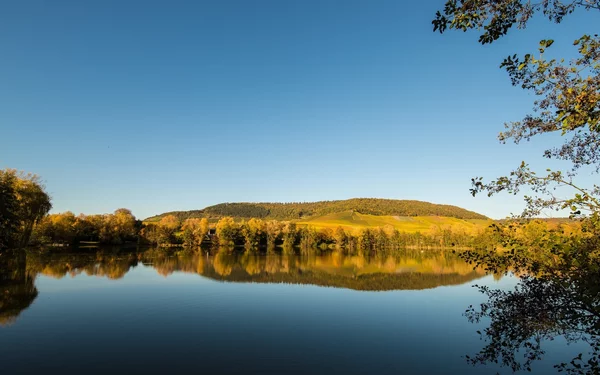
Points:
[[121, 227], [25, 222], [257, 234], [65, 228]]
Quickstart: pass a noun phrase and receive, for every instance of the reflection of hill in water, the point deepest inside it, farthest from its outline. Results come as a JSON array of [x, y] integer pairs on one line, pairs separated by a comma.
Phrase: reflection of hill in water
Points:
[[368, 282], [408, 271]]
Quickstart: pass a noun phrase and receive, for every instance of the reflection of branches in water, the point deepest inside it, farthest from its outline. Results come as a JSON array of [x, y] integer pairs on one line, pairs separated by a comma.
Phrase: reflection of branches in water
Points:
[[538, 309], [558, 296]]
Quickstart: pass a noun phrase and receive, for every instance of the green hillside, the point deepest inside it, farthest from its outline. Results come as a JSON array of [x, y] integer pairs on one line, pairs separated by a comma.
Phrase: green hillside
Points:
[[313, 210], [412, 224]]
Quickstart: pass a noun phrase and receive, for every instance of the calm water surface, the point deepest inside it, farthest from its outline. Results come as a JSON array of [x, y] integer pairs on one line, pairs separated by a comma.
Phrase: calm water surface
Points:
[[149, 312]]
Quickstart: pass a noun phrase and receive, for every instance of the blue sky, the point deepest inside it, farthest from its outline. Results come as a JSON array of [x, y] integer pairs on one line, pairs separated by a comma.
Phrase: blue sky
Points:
[[172, 105]]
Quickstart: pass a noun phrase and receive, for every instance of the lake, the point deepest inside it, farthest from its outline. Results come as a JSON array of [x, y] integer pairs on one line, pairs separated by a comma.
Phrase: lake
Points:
[[156, 312]]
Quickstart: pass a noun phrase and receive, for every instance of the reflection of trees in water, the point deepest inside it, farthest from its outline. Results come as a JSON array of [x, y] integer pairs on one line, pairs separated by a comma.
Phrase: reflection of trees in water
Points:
[[274, 264], [403, 270], [252, 264], [112, 266], [17, 289], [409, 270], [223, 264], [165, 263]]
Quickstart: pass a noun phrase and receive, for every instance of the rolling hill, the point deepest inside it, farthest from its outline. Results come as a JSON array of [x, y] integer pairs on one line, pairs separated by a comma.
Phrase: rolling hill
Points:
[[352, 212]]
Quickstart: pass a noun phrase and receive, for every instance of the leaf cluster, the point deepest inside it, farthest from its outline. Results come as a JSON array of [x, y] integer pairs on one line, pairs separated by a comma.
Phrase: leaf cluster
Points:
[[496, 17]]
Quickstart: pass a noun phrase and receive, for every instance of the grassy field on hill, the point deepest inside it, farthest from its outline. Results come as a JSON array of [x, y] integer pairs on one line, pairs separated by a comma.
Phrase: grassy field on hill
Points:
[[411, 224]]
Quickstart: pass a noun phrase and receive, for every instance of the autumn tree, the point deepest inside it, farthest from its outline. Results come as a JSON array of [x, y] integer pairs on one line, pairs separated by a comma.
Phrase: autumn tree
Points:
[[149, 234], [340, 237], [85, 227], [558, 294], [366, 239], [63, 227], [24, 203], [8, 209], [194, 231], [274, 230], [226, 231], [252, 231], [308, 238], [125, 224], [289, 234], [381, 239], [166, 228]]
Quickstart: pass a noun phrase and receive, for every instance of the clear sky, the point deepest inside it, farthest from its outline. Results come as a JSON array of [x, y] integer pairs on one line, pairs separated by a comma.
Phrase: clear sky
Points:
[[173, 105]]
